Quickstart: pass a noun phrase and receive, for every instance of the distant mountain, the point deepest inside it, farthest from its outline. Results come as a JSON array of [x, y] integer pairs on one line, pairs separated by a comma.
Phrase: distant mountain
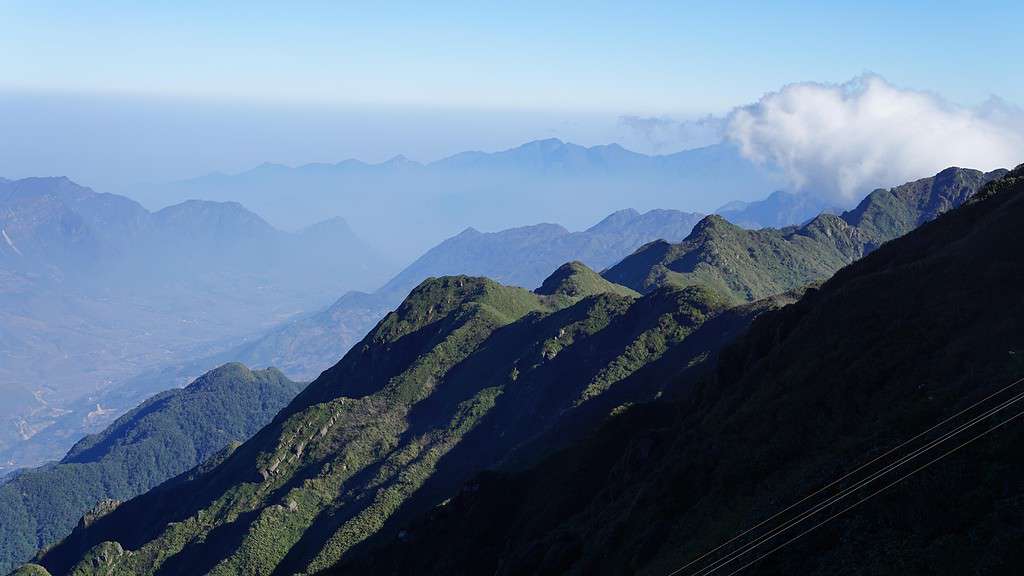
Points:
[[467, 375], [752, 264], [535, 182], [913, 334], [165, 436], [525, 256], [50, 226], [778, 210], [747, 265], [519, 256], [94, 290]]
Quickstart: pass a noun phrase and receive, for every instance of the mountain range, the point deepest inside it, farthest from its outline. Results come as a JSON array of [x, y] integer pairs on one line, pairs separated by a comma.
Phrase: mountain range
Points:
[[218, 270], [521, 256], [468, 375], [491, 191], [751, 264], [94, 289], [839, 435]]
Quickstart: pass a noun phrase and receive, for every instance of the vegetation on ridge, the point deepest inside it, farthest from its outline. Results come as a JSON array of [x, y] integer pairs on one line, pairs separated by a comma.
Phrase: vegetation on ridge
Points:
[[468, 375], [459, 376], [754, 264], [163, 437], [915, 332]]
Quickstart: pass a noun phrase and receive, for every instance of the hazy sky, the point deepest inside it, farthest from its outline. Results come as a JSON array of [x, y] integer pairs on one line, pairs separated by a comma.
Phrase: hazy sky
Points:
[[117, 92]]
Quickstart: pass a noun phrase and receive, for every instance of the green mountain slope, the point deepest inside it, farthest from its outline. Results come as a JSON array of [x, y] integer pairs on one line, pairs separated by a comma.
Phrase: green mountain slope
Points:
[[522, 256], [163, 437], [753, 264], [469, 375], [914, 333], [459, 377]]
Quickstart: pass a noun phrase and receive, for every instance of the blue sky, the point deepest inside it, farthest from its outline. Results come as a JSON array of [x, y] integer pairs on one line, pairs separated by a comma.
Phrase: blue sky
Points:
[[671, 57], [528, 67]]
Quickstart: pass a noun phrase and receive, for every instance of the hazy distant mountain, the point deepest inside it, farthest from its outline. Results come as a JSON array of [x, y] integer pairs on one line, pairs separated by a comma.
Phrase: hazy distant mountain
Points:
[[51, 226], [525, 256], [519, 256], [541, 181], [778, 210], [95, 289]]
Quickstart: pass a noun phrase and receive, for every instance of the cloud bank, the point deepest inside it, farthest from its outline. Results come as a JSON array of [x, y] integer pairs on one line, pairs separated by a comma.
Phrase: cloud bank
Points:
[[841, 141]]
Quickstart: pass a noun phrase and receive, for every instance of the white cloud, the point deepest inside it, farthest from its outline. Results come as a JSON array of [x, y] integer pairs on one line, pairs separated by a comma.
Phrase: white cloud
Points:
[[841, 141]]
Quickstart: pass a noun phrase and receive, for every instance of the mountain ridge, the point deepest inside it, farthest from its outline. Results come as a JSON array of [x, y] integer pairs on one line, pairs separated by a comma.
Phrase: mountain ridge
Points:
[[899, 340], [752, 264], [446, 353], [521, 256], [166, 435], [488, 190]]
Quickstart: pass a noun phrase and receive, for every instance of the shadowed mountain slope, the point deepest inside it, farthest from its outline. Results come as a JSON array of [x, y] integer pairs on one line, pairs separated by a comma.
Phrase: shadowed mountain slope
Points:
[[914, 333]]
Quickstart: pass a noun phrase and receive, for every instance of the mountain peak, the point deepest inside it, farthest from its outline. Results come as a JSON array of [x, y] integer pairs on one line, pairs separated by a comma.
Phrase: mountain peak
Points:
[[712, 222], [615, 219], [400, 161], [575, 280], [468, 232], [543, 146]]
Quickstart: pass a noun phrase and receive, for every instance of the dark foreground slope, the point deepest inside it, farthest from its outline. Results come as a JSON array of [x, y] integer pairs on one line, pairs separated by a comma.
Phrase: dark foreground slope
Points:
[[753, 264], [462, 374], [163, 437], [911, 334]]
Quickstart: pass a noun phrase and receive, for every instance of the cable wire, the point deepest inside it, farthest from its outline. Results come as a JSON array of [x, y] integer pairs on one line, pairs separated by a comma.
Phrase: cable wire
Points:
[[748, 547], [872, 495], [843, 494]]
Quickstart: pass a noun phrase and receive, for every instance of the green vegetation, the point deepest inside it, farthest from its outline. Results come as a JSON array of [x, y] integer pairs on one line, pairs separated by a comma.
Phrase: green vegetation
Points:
[[468, 376], [911, 334], [163, 437], [30, 570], [754, 264], [460, 376], [573, 281]]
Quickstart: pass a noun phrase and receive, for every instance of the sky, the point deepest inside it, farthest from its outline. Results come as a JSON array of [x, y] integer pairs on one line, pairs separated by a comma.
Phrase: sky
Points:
[[117, 92]]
